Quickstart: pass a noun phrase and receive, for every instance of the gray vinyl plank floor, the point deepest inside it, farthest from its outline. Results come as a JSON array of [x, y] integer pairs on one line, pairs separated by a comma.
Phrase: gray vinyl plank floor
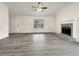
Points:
[[38, 45]]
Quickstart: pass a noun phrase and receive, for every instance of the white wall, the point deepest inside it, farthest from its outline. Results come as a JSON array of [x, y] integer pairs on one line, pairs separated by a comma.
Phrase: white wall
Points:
[[3, 21], [25, 24], [70, 13]]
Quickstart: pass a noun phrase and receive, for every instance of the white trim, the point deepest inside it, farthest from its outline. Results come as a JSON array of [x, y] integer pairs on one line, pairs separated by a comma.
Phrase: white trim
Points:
[[4, 36]]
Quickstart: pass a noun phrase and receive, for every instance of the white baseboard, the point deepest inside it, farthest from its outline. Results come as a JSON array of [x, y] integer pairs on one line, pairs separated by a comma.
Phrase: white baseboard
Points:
[[4, 36], [77, 40]]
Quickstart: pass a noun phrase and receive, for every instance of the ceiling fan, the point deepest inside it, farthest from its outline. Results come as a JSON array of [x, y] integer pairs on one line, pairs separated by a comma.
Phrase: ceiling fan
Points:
[[39, 7]]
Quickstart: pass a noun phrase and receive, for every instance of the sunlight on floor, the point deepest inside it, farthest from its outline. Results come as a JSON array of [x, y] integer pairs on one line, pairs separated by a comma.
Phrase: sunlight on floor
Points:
[[39, 39]]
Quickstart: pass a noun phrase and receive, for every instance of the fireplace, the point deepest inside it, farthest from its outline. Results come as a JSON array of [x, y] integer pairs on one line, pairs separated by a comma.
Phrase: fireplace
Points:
[[67, 29]]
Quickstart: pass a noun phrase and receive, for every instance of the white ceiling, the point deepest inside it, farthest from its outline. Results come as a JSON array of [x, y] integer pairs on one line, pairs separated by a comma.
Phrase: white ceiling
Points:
[[25, 8]]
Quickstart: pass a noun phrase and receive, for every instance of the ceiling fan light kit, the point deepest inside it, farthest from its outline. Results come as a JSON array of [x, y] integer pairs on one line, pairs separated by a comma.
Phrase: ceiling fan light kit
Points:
[[39, 7]]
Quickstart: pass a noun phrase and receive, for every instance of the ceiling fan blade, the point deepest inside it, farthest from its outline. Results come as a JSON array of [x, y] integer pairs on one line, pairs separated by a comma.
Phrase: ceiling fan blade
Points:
[[44, 7], [34, 6]]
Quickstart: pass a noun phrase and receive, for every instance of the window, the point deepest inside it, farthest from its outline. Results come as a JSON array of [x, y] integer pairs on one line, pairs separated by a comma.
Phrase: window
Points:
[[38, 24]]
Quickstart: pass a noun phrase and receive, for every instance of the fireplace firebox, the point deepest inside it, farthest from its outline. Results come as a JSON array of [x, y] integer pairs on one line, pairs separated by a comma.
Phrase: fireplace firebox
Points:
[[67, 29]]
